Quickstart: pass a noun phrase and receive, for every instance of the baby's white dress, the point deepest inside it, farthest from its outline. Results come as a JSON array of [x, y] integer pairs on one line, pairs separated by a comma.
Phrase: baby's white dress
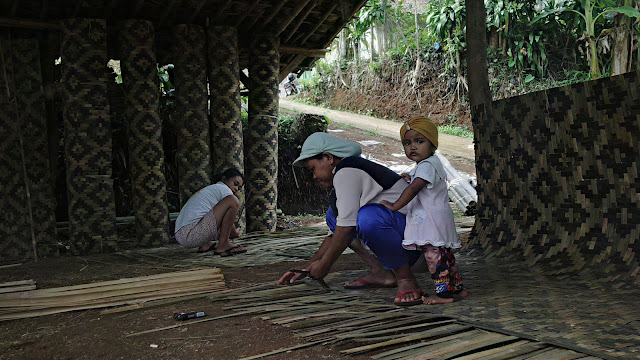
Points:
[[429, 216]]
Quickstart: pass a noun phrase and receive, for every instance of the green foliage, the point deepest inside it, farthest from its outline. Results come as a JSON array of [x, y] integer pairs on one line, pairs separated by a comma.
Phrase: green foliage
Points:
[[455, 130], [591, 17], [166, 87]]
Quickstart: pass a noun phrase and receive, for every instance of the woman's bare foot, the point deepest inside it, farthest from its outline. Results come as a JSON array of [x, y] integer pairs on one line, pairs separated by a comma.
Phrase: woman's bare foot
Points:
[[383, 278], [433, 300]]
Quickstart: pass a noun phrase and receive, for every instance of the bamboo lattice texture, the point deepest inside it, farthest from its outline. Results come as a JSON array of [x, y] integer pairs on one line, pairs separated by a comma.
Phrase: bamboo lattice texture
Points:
[[227, 149], [146, 158], [261, 136], [192, 123], [33, 120], [558, 178], [16, 238], [87, 136]]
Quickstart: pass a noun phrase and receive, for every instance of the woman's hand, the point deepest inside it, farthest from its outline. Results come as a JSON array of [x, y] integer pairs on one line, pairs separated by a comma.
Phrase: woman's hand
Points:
[[292, 276], [387, 204], [406, 177], [317, 270]]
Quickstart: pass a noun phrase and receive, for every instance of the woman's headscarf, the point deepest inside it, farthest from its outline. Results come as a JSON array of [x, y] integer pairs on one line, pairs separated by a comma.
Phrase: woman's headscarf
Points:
[[318, 143], [423, 125]]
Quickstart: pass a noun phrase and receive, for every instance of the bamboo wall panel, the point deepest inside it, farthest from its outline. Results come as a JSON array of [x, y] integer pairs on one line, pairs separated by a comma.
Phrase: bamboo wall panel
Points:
[[32, 116], [226, 121], [146, 154], [261, 145], [192, 123], [558, 177], [15, 237], [87, 132]]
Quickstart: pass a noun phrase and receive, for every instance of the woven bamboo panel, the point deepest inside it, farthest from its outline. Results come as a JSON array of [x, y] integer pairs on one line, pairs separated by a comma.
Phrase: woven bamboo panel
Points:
[[227, 148], [15, 236], [87, 132], [261, 136], [192, 123], [30, 101], [558, 178], [146, 154], [263, 248], [358, 324]]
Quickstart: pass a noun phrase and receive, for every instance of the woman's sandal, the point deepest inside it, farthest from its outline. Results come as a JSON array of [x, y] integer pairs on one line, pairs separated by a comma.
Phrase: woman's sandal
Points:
[[230, 252], [211, 248], [409, 303]]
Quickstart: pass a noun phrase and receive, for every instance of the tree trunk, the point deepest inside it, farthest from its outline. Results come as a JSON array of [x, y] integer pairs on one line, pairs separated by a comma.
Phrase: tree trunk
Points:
[[356, 51], [621, 43], [380, 36], [343, 45], [479, 91], [495, 39], [387, 25], [372, 47]]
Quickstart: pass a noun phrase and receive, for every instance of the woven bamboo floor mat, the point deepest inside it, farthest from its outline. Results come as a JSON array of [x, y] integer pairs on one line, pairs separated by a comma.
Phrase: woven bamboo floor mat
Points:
[[511, 299], [263, 248], [361, 324], [570, 313]]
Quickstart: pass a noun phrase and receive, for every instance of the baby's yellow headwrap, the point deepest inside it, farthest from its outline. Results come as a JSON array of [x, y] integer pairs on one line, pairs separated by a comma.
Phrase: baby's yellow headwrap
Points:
[[423, 125]]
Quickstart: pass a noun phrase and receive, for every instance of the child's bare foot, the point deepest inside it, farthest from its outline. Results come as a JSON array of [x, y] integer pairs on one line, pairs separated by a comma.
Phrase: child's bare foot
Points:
[[460, 295], [433, 300]]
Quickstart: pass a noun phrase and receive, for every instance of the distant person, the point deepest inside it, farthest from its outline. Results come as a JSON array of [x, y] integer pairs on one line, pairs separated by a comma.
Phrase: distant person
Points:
[[209, 216], [430, 224], [355, 214]]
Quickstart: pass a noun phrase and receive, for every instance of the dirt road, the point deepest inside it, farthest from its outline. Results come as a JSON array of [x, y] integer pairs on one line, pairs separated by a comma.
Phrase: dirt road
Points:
[[449, 144]]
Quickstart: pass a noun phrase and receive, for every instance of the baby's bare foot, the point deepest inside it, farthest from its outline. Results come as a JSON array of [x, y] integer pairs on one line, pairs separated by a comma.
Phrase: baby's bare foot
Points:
[[433, 300], [460, 295]]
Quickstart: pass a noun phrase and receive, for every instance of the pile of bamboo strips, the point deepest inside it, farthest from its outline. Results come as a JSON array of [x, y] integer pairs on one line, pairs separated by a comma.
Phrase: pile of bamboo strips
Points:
[[461, 188], [128, 291], [17, 286]]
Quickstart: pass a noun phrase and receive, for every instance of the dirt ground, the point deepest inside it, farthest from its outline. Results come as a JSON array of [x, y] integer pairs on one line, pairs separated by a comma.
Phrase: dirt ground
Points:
[[89, 335]]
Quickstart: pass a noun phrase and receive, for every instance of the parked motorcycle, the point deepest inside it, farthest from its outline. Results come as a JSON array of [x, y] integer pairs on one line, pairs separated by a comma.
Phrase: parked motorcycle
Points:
[[289, 87]]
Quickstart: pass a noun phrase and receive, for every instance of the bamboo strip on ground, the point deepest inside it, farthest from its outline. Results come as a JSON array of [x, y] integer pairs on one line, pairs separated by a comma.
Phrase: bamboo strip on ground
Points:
[[440, 331], [102, 300], [129, 291], [499, 351], [392, 330], [14, 289], [17, 283], [10, 266], [283, 350], [26, 301], [450, 350]]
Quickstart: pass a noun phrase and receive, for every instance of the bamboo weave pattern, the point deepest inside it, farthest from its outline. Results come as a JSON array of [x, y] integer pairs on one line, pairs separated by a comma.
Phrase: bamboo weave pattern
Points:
[[261, 145], [558, 178], [87, 131], [226, 120], [30, 101], [190, 81], [140, 77], [16, 238]]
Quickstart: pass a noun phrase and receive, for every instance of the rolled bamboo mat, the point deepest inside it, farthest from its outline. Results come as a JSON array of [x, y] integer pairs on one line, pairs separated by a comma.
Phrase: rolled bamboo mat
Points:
[[127, 291]]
